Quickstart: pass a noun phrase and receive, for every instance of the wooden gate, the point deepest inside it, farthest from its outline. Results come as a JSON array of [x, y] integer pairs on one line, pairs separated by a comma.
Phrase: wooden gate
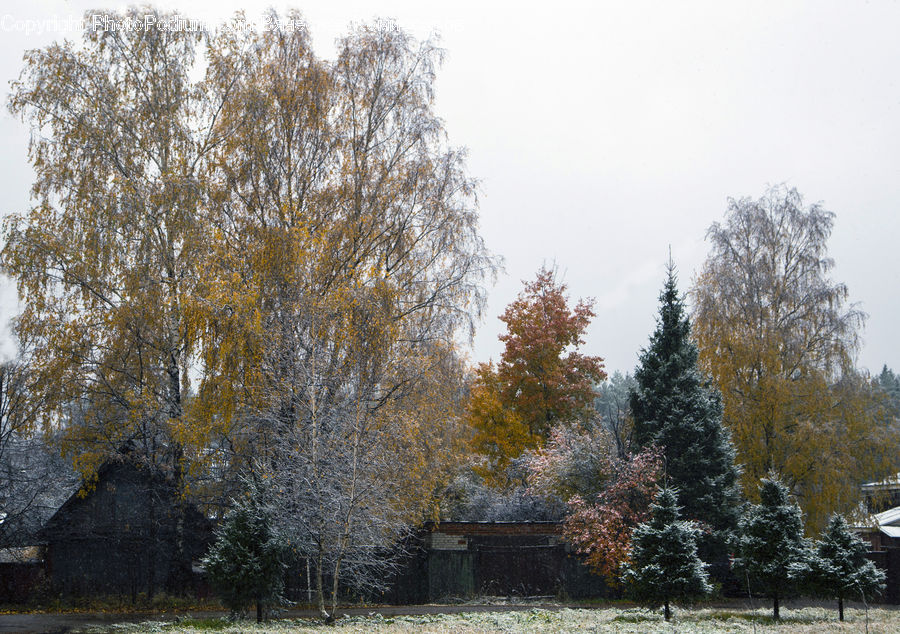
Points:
[[521, 570]]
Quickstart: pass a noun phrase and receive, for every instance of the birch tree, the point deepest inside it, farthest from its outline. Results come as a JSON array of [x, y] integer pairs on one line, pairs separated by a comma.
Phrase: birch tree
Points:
[[344, 262], [107, 256], [298, 232], [779, 338]]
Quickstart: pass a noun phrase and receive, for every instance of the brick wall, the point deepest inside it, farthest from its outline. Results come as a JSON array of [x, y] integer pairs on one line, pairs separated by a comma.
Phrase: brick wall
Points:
[[446, 541]]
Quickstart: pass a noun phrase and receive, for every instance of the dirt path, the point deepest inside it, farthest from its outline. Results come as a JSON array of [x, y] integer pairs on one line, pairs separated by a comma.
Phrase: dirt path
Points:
[[32, 623]]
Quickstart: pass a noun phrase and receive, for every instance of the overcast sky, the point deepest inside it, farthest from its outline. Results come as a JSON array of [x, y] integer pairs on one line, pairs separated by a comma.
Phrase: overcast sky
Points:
[[602, 133]]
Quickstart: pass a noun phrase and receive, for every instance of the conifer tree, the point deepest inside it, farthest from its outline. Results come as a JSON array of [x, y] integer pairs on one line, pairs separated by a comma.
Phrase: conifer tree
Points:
[[664, 562], [677, 409], [246, 563], [840, 568], [889, 383], [772, 554]]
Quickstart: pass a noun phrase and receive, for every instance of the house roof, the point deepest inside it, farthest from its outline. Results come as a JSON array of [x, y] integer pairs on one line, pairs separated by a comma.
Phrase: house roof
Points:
[[892, 482], [495, 528], [890, 517], [20, 555], [887, 522], [59, 520]]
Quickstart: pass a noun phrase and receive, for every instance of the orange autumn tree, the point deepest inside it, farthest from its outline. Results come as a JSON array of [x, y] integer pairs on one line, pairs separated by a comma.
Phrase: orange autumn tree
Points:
[[541, 378], [601, 529]]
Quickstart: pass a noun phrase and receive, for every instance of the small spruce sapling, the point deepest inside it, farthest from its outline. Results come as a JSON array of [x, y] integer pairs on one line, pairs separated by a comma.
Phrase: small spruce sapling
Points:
[[246, 563], [840, 568], [771, 551], [664, 564]]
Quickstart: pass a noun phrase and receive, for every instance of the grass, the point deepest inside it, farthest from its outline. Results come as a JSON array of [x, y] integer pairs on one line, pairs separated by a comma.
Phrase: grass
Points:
[[805, 620]]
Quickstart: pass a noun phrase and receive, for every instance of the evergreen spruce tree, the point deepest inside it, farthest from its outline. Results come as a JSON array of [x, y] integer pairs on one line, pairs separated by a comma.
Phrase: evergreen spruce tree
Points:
[[772, 554], [664, 564], [840, 568], [246, 563], [890, 385], [678, 409]]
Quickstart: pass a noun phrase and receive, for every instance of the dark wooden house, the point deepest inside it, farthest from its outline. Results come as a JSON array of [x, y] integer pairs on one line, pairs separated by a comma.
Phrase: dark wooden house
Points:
[[132, 533]]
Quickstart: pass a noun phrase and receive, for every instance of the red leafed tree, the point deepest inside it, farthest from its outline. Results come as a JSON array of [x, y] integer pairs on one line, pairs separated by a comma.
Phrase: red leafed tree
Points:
[[601, 529], [541, 378], [541, 370]]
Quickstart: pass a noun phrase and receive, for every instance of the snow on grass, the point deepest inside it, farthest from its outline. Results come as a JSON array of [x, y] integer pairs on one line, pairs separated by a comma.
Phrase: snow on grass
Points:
[[624, 621]]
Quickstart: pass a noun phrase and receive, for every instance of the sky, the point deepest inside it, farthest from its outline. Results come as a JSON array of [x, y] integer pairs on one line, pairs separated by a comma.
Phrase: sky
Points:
[[605, 133]]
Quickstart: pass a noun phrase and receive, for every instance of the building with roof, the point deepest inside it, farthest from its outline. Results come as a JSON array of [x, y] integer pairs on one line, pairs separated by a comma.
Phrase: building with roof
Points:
[[132, 533], [879, 521], [882, 530], [462, 560], [882, 495]]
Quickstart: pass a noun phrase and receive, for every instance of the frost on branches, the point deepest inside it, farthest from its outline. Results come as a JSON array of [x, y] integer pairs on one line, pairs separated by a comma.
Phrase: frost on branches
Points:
[[664, 563], [840, 568], [604, 511], [772, 554], [573, 462], [246, 563]]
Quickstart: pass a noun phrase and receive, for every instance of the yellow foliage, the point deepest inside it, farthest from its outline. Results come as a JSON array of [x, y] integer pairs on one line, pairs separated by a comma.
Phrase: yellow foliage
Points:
[[500, 434], [773, 334], [292, 232]]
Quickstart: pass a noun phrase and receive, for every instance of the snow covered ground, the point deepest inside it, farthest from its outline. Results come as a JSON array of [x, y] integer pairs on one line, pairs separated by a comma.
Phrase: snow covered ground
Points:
[[632, 620]]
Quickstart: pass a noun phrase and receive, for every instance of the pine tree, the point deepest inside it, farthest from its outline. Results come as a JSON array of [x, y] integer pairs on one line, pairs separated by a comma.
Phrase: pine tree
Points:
[[664, 562], [890, 386], [840, 568], [771, 552], [678, 409], [246, 563]]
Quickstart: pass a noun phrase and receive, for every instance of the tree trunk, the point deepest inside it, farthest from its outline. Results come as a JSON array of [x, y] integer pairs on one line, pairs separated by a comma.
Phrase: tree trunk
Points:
[[259, 611], [320, 593], [668, 613], [776, 614], [309, 590], [180, 570], [841, 608], [135, 575], [348, 519], [334, 586], [152, 536]]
